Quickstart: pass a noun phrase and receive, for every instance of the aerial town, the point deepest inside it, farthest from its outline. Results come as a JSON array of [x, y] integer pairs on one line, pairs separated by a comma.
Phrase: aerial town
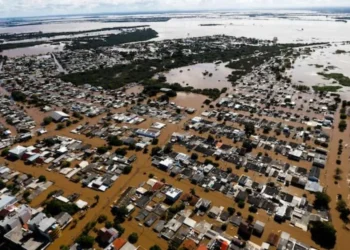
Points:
[[99, 150]]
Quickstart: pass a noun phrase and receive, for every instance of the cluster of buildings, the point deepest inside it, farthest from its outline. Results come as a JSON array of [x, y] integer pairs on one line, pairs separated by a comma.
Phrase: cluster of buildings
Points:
[[179, 217], [59, 152]]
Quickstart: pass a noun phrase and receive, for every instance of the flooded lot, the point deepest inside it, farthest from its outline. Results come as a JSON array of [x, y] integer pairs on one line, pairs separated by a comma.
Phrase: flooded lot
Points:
[[326, 60], [201, 76], [33, 50]]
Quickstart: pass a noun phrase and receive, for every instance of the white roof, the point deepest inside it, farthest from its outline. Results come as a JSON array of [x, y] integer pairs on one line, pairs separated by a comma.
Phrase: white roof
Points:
[[167, 162], [151, 182], [81, 204], [18, 150], [141, 190], [83, 164], [63, 199], [189, 222]]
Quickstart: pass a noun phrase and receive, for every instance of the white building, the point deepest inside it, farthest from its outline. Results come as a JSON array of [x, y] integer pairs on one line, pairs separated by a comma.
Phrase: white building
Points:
[[59, 116]]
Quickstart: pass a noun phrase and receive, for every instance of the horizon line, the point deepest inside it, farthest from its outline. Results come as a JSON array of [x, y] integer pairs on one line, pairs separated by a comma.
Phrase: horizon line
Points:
[[315, 8]]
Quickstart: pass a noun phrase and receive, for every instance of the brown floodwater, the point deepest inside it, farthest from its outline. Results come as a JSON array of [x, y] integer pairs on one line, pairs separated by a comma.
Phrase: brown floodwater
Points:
[[216, 76], [142, 167]]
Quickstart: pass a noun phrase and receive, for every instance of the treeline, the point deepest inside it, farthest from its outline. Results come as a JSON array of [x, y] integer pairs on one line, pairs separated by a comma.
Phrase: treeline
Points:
[[113, 39], [36, 35], [153, 87]]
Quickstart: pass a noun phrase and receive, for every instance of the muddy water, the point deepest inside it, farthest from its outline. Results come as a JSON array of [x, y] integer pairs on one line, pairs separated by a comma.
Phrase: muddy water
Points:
[[142, 167], [33, 50], [306, 68], [193, 76], [297, 28]]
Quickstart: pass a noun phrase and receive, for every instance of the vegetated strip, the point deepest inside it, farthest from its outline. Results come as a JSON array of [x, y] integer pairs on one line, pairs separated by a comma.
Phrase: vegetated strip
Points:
[[142, 71], [327, 88], [93, 41], [36, 35], [343, 80]]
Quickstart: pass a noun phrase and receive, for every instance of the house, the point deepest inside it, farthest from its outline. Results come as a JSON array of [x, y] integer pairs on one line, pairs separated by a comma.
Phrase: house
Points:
[[6, 200], [59, 116], [295, 155], [258, 228], [314, 174], [107, 236], [63, 219], [203, 204], [151, 133], [214, 212], [17, 152], [166, 164], [118, 243], [173, 194]]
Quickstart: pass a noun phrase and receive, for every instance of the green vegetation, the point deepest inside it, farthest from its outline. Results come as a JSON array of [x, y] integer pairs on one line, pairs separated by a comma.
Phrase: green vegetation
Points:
[[327, 88], [95, 42], [5, 152], [321, 201], [114, 141], [133, 238], [343, 209], [342, 125], [55, 207], [18, 96], [42, 178], [141, 71], [302, 88], [323, 233], [343, 80], [155, 247], [47, 120], [102, 218], [86, 241], [36, 35]]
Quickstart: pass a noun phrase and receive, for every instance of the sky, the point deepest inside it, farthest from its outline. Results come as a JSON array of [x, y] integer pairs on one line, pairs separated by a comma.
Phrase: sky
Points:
[[16, 8]]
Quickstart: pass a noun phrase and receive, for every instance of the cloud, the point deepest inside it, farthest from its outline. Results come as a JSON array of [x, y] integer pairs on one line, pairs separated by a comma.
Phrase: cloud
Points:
[[49, 7]]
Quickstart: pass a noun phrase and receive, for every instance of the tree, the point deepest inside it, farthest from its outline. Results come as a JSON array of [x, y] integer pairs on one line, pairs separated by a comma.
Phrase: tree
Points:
[[168, 148], [133, 238], [102, 218], [64, 247], [194, 156], [121, 151], [241, 204], [193, 191], [42, 178], [47, 120], [249, 129], [155, 247], [323, 233], [155, 151], [321, 201], [86, 241], [18, 96], [253, 209], [231, 210], [59, 126], [97, 198], [127, 169], [155, 141], [114, 141], [108, 224], [102, 150], [5, 152]]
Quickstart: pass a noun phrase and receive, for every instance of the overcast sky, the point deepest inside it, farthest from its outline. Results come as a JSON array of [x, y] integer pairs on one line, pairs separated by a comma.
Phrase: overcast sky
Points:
[[10, 8]]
